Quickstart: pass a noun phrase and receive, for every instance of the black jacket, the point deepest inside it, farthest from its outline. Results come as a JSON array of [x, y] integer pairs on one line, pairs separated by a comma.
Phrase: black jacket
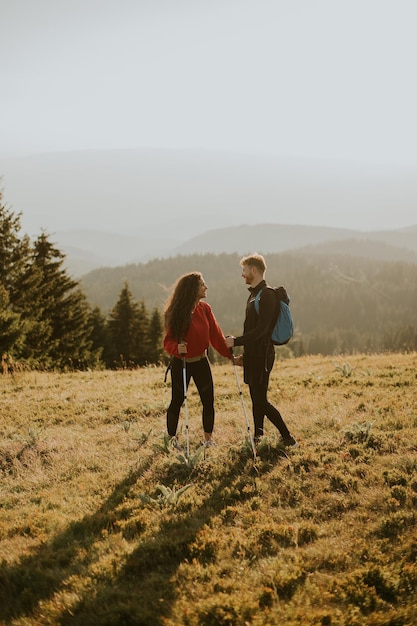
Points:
[[259, 352]]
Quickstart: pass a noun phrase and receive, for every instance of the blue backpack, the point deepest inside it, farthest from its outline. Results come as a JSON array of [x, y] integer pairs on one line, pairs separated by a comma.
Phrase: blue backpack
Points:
[[283, 328]]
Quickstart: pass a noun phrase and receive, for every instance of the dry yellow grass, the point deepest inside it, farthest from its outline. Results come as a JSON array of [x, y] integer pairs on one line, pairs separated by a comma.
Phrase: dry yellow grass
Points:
[[322, 534]]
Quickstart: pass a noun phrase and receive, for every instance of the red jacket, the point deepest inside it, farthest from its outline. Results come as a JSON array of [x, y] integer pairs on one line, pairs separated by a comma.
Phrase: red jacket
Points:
[[204, 330]]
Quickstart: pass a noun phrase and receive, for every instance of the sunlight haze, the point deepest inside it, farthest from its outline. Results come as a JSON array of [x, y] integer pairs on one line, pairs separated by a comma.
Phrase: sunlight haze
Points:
[[315, 85], [324, 78]]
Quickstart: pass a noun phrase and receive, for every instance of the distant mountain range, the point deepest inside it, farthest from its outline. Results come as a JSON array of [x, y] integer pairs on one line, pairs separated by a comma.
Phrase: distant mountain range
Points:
[[110, 208], [88, 249], [396, 245], [281, 238]]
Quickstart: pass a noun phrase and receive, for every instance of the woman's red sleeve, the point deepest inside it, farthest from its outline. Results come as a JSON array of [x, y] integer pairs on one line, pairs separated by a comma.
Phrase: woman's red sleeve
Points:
[[217, 339], [170, 345]]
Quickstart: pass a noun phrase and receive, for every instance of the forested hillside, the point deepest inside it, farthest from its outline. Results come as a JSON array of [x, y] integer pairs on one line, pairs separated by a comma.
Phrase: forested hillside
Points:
[[89, 250], [339, 302], [46, 321]]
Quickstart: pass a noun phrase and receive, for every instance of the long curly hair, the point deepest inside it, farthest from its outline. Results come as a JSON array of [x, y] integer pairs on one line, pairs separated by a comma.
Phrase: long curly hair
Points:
[[179, 306]]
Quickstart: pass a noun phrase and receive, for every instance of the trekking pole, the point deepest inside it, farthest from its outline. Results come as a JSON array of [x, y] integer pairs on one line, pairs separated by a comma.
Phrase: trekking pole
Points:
[[252, 443], [187, 438]]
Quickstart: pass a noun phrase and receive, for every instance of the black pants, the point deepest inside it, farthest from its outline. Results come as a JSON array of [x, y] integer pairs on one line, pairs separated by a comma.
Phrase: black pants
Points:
[[200, 372], [261, 408]]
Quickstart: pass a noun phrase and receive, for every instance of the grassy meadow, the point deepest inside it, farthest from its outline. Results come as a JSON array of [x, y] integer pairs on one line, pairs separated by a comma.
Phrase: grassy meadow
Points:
[[103, 523]]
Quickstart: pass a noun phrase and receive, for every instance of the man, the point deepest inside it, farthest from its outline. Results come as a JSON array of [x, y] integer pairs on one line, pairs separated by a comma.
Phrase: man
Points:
[[259, 353]]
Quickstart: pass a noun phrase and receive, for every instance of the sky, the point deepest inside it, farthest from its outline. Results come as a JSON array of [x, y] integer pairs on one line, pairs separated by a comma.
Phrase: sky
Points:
[[323, 79]]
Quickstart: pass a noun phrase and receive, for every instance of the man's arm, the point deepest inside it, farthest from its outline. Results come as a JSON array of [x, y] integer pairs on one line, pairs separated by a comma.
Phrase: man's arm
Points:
[[263, 321]]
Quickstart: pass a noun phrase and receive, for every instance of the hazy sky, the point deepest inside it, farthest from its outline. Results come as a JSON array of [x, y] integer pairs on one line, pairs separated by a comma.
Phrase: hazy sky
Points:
[[310, 78]]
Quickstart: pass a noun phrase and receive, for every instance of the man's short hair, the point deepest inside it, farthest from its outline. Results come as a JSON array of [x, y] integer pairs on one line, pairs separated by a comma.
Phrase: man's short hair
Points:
[[256, 260]]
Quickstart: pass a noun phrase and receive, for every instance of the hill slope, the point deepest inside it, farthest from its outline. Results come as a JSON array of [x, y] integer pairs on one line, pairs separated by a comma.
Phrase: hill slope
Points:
[[96, 531], [174, 195], [343, 302], [94, 249], [266, 238]]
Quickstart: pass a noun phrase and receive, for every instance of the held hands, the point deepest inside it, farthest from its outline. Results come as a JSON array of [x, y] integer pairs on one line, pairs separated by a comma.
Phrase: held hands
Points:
[[230, 341], [182, 347]]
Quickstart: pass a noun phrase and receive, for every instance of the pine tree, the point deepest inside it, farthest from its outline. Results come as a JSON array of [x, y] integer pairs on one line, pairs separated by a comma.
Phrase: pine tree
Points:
[[10, 327], [14, 250], [99, 336], [55, 311], [142, 336], [155, 332], [128, 326]]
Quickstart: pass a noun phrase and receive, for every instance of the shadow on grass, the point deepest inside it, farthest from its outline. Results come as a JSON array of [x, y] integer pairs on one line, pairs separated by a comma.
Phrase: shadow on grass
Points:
[[38, 576], [143, 592]]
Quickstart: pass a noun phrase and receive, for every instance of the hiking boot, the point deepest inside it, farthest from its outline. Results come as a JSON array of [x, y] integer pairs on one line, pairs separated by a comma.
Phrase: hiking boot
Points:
[[209, 443], [290, 442], [176, 445]]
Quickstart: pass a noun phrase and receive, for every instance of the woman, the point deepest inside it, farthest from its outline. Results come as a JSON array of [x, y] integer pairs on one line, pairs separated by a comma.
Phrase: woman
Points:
[[190, 328]]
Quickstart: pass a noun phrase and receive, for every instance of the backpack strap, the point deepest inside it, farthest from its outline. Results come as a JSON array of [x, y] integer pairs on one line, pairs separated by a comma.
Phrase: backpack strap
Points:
[[280, 293], [258, 298], [256, 301], [282, 328]]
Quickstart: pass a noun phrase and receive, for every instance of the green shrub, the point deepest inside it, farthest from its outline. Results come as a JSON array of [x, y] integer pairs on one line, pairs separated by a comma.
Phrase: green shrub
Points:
[[286, 582], [392, 526], [306, 534]]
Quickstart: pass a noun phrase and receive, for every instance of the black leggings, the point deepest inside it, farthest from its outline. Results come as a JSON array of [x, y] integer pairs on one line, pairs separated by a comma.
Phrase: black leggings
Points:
[[200, 372], [262, 408]]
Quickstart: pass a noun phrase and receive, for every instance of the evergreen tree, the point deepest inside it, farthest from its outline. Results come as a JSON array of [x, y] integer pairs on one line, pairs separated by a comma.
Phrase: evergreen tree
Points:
[[36, 324], [10, 327], [99, 335], [56, 312], [142, 337], [155, 332], [127, 329], [14, 250]]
